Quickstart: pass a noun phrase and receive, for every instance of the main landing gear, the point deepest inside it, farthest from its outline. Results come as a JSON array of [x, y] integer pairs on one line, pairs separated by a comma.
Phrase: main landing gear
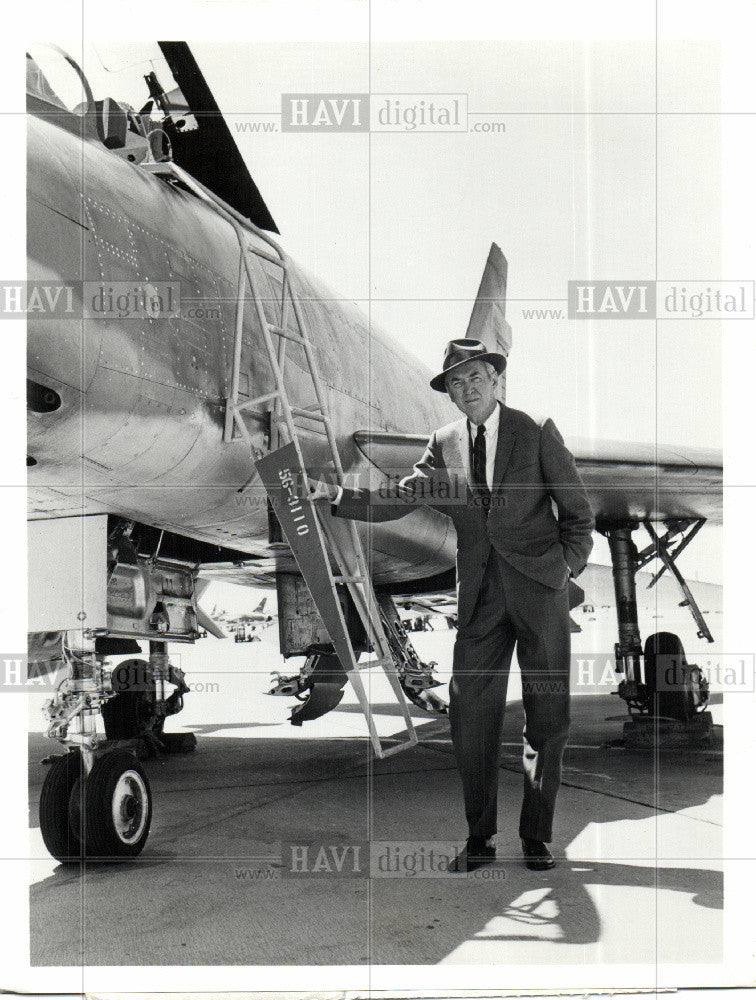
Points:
[[667, 700], [96, 801]]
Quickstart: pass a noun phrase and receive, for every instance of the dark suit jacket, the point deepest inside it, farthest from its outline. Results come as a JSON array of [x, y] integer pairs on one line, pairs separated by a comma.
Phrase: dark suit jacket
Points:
[[532, 468]]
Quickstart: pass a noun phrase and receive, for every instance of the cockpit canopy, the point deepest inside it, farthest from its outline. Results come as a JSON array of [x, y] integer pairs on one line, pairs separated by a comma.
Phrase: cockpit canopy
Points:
[[177, 118], [57, 88], [55, 79]]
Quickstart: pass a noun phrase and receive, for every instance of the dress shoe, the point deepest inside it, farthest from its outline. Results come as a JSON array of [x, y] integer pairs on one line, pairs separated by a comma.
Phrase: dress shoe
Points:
[[537, 855], [478, 852]]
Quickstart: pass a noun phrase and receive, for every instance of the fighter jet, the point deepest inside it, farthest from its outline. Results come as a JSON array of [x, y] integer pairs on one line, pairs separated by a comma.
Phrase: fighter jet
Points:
[[153, 394]]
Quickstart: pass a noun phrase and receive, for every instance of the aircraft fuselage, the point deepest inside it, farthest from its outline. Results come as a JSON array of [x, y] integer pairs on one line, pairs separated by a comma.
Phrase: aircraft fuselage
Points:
[[139, 431]]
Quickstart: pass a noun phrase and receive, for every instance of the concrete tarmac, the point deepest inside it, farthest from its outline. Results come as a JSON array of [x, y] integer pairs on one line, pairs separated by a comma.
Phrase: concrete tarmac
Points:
[[273, 845]]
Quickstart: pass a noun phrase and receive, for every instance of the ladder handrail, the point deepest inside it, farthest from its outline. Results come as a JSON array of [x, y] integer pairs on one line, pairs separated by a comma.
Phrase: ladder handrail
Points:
[[205, 194], [355, 578]]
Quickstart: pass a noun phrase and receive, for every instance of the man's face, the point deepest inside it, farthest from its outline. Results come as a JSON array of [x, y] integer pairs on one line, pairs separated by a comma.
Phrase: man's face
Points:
[[472, 388]]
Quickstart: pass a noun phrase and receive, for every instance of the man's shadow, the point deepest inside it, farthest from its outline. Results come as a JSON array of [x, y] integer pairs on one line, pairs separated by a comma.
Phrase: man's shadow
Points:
[[603, 782]]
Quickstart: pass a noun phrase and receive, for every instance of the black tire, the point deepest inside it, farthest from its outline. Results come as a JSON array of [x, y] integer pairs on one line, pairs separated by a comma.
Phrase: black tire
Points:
[[117, 807], [76, 812], [127, 715], [178, 742], [61, 839], [673, 687]]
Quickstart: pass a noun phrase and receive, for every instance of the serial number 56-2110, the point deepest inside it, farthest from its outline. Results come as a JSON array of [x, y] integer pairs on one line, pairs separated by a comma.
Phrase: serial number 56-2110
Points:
[[295, 503]]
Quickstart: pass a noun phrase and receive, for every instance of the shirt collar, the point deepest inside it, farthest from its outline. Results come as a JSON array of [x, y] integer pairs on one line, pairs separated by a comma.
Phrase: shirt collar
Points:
[[491, 425]]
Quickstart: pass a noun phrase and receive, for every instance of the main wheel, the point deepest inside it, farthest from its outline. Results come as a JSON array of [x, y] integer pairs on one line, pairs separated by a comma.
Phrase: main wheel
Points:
[[675, 689], [59, 834], [116, 807]]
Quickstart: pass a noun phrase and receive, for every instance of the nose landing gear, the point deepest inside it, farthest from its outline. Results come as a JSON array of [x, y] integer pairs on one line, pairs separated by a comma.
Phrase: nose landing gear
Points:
[[96, 801]]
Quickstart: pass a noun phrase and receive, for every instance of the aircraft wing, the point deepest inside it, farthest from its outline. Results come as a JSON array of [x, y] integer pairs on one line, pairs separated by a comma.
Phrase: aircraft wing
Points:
[[443, 603], [259, 571], [624, 480], [629, 480]]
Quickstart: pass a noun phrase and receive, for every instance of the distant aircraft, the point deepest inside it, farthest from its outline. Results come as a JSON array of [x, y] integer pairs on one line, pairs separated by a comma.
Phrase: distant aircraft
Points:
[[246, 627], [144, 430], [257, 615]]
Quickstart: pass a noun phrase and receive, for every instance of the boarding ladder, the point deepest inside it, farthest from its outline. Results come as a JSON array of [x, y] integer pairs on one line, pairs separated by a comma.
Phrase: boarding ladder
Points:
[[338, 538]]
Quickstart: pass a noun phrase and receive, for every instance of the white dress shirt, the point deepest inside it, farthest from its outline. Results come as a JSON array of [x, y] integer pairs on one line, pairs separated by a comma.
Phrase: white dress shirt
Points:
[[492, 439]]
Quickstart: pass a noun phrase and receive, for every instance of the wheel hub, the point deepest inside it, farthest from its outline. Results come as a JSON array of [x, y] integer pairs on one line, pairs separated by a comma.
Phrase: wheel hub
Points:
[[129, 812]]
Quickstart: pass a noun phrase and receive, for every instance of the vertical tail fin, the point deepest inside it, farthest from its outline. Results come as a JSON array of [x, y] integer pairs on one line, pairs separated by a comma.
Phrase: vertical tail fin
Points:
[[487, 322]]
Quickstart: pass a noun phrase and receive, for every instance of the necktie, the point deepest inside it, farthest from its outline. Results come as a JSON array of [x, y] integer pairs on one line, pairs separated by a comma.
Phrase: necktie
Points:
[[480, 485]]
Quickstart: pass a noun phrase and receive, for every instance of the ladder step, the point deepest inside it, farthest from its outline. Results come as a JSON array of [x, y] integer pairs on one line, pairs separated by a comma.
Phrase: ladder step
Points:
[[298, 411], [398, 747], [387, 664], [279, 331], [259, 252], [265, 398], [250, 408]]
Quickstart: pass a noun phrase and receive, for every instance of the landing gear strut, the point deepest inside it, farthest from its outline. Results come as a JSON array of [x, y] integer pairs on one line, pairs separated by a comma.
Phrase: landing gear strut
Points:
[[668, 695], [140, 705], [627, 652]]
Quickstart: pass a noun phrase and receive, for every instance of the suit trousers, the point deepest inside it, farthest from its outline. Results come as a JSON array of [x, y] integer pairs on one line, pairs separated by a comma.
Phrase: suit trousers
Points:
[[511, 609]]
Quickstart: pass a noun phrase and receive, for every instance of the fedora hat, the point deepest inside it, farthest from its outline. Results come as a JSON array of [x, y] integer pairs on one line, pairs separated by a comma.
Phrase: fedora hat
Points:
[[459, 352]]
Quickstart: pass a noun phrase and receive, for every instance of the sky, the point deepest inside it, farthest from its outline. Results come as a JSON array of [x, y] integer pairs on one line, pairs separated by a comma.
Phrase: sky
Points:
[[585, 182], [402, 222]]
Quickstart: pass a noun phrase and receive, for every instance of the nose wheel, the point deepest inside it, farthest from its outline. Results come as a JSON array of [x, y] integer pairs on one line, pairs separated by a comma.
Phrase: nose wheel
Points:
[[60, 836], [105, 814]]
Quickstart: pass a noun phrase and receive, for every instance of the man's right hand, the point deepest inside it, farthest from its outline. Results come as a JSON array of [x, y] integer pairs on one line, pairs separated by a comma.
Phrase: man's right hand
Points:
[[318, 490]]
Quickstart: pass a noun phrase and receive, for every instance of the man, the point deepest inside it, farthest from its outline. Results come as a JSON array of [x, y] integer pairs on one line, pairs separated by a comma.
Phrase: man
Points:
[[499, 474]]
